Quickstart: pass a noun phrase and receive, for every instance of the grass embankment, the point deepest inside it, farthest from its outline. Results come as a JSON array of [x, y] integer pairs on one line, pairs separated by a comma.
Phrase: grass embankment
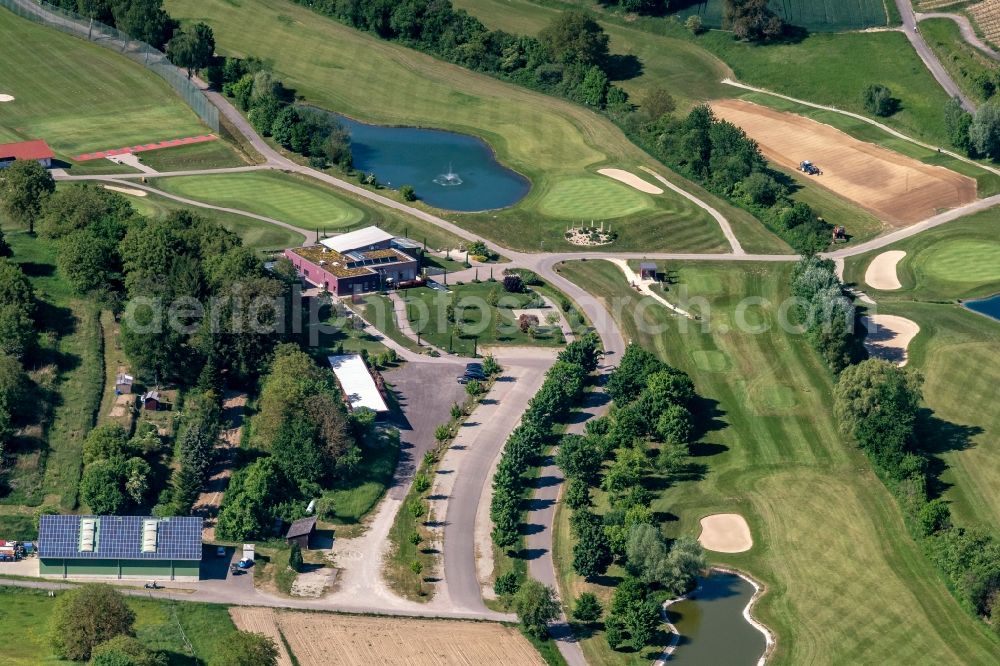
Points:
[[957, 351], [549, 140], [378, 310], [351, 500], [207, 155], [814, 15], [826, 531], [477, 322], [81, 97], [160, 625], [48, 459], [963, 61]]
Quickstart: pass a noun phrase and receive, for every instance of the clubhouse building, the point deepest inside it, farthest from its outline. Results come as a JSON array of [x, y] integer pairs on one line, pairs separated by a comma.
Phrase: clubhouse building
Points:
[[36, 149], [365, 260], [121, 547]]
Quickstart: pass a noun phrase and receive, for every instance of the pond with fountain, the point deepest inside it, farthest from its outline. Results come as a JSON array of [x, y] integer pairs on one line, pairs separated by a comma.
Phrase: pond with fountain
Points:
[[447, 170], [713, 625]]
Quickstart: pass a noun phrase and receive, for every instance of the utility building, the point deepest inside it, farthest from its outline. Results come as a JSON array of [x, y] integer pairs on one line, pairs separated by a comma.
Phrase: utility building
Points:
[[125, 547]]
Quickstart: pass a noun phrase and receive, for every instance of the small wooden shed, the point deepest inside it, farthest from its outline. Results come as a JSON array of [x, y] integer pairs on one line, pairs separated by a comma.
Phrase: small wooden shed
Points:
[[151, 401], [123, 383], [300, 532], [647, 270]]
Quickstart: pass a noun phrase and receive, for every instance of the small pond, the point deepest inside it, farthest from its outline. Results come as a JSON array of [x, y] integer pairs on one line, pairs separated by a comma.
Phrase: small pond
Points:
[[448, 170], [711, 624], [987, 306]]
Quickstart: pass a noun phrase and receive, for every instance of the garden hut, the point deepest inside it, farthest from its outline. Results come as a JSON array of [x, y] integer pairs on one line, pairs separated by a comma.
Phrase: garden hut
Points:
[[300, 531], [151, 401], [123, 383], [647, 270]]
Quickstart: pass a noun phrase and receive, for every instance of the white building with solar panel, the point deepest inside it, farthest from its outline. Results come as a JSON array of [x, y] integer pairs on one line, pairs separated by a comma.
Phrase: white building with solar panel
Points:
[[124, 547]]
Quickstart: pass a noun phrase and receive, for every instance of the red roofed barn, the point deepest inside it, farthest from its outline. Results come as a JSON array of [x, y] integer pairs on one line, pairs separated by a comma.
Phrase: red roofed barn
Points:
[[35, 149]]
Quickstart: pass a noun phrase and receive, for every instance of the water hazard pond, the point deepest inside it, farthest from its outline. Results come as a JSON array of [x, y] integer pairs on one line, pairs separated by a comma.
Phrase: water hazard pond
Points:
[[423, 157], [986, 306], [712, 627]]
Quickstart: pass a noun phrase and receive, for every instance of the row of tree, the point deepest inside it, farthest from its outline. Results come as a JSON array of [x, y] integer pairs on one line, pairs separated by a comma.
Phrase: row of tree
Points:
[[646, 434], [826, 312], [306, 441], [977, 134], [270, 107], [719, 155], [563, 386], [878, 404], [569, 57]]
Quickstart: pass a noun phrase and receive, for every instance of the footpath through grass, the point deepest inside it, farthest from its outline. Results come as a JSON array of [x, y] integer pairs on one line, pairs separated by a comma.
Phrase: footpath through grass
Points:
[[81, 97], [957, 351], [161, 625], [846, 584]]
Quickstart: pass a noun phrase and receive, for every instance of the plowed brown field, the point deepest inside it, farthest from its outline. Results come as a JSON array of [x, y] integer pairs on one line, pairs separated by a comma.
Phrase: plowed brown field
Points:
[[318, 639], [899, 189], [261, 621]]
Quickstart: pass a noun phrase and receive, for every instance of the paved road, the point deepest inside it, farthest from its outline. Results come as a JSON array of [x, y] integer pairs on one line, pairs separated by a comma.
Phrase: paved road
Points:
[[965, 27], [927, 55]]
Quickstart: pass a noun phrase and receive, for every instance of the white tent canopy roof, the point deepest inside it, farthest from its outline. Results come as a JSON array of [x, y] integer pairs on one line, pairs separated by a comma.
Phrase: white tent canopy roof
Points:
[[357, 240]]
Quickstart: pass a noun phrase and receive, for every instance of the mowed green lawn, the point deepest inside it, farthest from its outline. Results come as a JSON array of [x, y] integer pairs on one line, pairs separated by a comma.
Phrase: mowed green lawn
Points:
[[845, 582], [82, 97], [286, 198], [546, 138], [957, 351], [589, 199]]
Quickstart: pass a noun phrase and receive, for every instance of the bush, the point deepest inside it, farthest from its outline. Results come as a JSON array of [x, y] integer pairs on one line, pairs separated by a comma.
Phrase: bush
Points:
[[507, 584], [536, 606], [87, 616], [408, 193], [587, 608], [295, 558], [513, 284], [878, 100], [694, 24], [245, 648]]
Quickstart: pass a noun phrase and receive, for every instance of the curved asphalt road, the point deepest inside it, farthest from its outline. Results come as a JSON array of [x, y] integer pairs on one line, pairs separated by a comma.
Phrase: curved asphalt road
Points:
[[927, 55], [965, 27]]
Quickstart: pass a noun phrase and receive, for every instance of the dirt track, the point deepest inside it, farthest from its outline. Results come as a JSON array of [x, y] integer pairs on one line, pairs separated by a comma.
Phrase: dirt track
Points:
[[350, 640], [898, 189]]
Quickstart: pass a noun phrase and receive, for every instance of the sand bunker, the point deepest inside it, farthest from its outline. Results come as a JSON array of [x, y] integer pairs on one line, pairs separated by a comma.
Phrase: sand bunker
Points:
[[126, 190], [881, 273], [889, 337], [631, 180], [725, 533], [6, 98]]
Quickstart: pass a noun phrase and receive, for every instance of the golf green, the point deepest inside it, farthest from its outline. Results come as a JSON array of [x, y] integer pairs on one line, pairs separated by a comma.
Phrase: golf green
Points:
[[962, 260], [292, 200], [592, 198]]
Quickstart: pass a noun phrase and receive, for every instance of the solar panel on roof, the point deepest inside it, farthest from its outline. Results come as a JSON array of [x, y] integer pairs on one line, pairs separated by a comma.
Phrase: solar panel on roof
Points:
[[120, 537]]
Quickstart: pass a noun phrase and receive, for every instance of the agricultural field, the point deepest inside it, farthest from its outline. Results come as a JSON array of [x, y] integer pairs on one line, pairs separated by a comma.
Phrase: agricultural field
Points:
[[826, 532], [359, 641], [547, 139], [957, 351], [81, 97], [813, 15], [161, 625], [986, 15], [899, 189]]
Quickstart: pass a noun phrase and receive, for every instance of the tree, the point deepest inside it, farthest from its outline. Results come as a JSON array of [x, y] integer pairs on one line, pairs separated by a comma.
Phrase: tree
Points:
[[17, 307], [536, 606], [87, 616], [126, 651], [83, 206], [24, 187], [474, 388], [957, 122], [507, 584], [878, 100], [577, 494], [101, 487], [579, 458], [876, 402], [594, 88], [587, 608], [751, 20], [657, 103], [513, 284], [245, 648], [145, 20], [90, 262], [295, 558], [192, 47], [646, 553], [574, 37], [490, 365], [694, 24], [408, 193], [984, 131]]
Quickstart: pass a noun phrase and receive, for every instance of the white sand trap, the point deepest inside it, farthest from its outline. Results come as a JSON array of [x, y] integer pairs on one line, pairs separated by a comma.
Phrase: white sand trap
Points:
[[126, 190], [881, 273], [6, 98], [630, 179], [889, 337], [725, 533]]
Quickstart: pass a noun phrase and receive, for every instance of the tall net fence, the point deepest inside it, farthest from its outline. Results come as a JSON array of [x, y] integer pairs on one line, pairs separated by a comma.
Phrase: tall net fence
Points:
[[108, 37]]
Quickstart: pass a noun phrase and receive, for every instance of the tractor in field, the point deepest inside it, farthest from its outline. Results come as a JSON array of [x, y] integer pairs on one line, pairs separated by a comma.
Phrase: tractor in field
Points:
[[810, 169]]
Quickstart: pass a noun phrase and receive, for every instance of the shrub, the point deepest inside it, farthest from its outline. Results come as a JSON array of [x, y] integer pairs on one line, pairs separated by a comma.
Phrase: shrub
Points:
[[507, 584], [878, 100], [408, 193], [587, 608], [513, 284], [87, 616]]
